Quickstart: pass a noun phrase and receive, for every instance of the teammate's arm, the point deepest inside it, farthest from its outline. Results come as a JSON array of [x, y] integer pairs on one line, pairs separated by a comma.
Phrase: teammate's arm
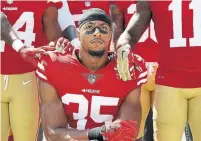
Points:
[[137, 24], [11, 38], [54, 120], [8, 34], [51, 25], [68, 27], [70, 33], [136, 27], [117, 24]]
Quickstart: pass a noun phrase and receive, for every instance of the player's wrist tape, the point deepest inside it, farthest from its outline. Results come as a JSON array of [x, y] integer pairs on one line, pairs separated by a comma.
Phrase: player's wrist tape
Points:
[[95, 134], [17, 45]]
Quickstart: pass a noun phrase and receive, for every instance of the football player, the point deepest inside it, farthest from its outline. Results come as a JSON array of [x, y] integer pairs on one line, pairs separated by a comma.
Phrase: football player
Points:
[[178, 78], [30, 21], [121, 12], [78, 100], [76, 8]]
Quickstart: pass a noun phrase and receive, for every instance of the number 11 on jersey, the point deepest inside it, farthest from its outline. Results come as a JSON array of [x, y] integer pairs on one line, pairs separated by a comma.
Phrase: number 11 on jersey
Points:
[[178, 40]]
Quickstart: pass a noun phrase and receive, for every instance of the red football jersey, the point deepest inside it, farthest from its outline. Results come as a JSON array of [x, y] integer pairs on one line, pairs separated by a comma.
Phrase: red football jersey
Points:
[[77, 7], [26, 19], [89, 99], [178, 31], [147, 46]]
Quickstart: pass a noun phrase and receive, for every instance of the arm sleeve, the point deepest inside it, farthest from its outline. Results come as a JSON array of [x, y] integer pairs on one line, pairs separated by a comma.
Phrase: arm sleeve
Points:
[[141, 78], [142, 74]]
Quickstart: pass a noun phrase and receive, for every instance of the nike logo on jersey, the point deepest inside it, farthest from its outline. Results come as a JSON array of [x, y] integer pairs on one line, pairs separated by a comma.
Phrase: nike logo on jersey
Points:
[[26, 82]]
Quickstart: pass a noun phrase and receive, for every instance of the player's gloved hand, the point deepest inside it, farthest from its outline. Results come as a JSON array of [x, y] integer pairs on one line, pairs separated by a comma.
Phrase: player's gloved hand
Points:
[[128, 63], [126, 132], [62, 45], [98, 133], [111, 126], [32, 55]]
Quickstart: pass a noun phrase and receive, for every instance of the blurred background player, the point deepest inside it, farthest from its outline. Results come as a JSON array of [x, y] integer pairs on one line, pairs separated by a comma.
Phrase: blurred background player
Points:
[[30, 21], [178, 78], [76, 108], [121, 12]]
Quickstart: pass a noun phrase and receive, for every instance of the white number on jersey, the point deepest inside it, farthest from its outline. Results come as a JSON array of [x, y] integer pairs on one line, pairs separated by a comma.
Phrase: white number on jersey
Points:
[[150, 30], [77, 17], [65, 12], [28, 35], [178, 40], [96, 103]]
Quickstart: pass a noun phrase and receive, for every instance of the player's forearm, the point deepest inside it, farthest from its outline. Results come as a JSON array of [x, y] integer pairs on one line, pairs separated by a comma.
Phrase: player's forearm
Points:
[[64, 134], [136, 28], [117, 23], [53, 31], [131, 107], [7, 33], [117, 31], [51, 25], [70, 33], [137, 24], [131, 112], [55, 123]]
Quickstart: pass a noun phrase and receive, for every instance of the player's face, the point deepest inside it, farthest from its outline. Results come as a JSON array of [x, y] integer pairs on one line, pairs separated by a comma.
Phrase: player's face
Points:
[[95, 37]]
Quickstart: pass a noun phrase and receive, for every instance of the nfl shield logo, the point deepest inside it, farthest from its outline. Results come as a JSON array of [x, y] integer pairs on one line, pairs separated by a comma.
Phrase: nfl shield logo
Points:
[[9, 1], [87, 3], [91, 78]]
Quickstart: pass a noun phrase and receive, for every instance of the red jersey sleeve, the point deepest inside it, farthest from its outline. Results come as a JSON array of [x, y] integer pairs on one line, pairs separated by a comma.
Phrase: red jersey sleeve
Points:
[[42, 68], [47, 64], [142, 78], [140, 70]]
